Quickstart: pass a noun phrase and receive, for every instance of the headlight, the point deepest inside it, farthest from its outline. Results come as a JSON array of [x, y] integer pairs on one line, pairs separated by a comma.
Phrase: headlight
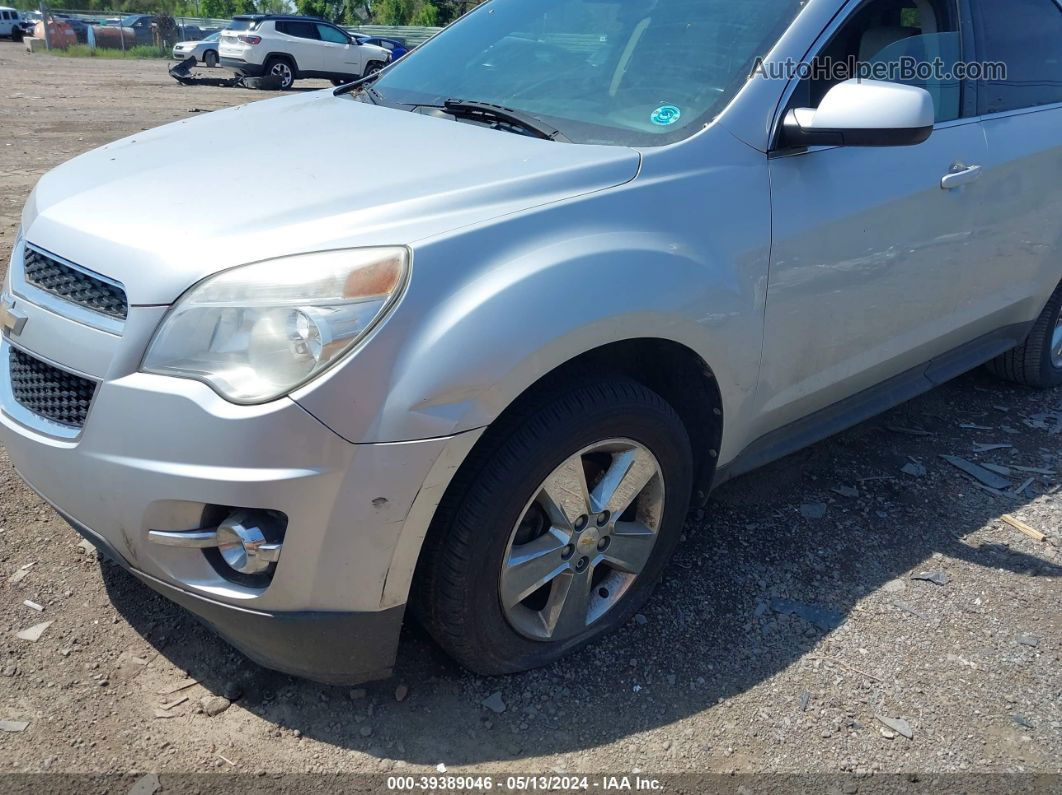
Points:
[[257, 332]]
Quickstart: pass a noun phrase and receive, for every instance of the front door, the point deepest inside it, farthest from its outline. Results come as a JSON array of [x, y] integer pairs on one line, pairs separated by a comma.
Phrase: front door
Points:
[[338, 55], [869, 243]]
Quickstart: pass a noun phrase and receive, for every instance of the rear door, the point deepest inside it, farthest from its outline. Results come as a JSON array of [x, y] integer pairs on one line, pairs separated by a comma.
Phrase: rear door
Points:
[[300, 40], [338, 55], [1021, 114]]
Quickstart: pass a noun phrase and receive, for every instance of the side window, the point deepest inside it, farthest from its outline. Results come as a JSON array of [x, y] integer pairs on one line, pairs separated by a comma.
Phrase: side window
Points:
[[330, 34], [886, 38], [303, 30], [1025, 36]]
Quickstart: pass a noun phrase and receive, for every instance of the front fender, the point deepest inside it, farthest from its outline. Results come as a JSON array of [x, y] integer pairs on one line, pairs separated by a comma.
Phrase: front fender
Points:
[[467, 339]]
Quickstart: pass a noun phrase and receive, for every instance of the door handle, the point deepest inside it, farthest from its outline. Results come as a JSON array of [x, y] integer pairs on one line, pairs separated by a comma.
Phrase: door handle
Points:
[[960, 175]]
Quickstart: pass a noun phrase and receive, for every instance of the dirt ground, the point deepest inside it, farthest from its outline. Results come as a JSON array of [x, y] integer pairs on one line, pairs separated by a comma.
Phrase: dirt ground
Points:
[[717, 675]]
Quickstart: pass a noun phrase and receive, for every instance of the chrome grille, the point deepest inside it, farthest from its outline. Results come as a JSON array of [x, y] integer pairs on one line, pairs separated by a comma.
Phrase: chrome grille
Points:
[[74, 285], [48, 391]]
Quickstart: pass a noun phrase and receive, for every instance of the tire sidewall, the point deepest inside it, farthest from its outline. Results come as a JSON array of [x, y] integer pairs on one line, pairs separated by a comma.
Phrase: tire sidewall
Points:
[[1050, 373], [662, 434]]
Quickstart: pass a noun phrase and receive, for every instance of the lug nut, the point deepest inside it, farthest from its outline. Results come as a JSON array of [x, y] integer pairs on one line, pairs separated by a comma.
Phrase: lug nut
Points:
[[580, 523], [581, 564], [603, 518], [567, 552], [603, 543]]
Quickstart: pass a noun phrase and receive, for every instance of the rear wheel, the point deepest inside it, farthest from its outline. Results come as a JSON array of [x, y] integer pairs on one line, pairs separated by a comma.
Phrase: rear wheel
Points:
[[210, 58], [283, 70], [1037, 362], [557, 527]]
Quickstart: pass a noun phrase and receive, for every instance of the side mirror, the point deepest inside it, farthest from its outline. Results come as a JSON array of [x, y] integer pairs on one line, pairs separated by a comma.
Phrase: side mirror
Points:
[[863, 113]]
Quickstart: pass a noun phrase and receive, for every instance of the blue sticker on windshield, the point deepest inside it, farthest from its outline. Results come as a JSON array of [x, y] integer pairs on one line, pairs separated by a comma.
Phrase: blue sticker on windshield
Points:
[[665, 115]]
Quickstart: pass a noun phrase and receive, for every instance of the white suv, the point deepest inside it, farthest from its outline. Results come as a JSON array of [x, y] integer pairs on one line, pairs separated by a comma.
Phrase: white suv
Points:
[[290, 47]]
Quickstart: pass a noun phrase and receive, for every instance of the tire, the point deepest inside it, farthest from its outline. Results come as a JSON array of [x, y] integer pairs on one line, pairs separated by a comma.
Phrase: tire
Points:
[[461, 592], [372, 67], [1037, 362], [210, 58], [283, 69], [342, 81]]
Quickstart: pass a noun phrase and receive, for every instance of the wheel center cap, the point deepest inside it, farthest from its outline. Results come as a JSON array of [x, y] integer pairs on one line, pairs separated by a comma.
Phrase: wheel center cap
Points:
[[588, 540]]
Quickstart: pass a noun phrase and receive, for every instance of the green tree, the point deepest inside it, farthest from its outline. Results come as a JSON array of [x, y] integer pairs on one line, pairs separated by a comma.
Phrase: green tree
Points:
[[275, 6], [427, 15], [393, 12]]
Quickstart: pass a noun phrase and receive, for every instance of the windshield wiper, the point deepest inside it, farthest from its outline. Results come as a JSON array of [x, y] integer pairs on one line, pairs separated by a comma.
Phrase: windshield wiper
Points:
[[361, 81], [487, 112]]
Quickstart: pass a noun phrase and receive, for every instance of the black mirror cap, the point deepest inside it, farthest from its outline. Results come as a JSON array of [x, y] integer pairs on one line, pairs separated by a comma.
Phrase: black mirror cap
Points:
[[793, 136]]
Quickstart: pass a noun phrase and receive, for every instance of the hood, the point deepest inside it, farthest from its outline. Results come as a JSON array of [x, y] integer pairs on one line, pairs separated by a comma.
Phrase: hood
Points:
[[165, 208]]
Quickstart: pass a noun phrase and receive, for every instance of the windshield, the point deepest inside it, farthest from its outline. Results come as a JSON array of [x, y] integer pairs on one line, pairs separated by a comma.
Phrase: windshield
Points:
[[632, 72]]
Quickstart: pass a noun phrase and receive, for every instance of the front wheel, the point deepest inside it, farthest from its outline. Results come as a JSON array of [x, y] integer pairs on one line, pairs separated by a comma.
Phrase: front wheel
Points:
[[372, 68], [557, 528], [210, 59]]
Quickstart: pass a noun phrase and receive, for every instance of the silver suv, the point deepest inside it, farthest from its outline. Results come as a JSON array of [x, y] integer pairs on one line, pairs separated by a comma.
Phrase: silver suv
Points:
[[603, 257]]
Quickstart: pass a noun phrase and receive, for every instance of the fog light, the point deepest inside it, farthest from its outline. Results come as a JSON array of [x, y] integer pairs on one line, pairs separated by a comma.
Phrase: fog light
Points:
[[244, 546]]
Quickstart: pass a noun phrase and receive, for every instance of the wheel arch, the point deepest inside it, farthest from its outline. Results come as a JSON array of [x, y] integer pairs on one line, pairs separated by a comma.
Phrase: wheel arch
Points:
[[282, 56], [672, 370]]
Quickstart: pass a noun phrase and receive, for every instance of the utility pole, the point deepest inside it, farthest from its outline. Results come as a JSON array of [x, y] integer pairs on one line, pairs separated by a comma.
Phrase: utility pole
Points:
[[44, 22]]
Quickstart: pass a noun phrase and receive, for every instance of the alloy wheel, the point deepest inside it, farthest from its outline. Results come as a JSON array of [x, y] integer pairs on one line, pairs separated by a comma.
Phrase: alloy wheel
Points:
[[582, 540], [283, 71]]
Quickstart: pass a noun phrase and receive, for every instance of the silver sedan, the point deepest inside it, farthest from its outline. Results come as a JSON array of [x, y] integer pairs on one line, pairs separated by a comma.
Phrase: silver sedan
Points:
[[204, 51]]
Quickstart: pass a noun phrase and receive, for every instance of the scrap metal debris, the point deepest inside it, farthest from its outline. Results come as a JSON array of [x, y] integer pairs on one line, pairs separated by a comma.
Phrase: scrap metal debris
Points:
[[33, 634], [182, 73], [999, 470], [898, 725], [907, 431], [935, 577], [987, 478], [32, 605], [914, 470], [988, 448], [13, 725], [1019, 490]]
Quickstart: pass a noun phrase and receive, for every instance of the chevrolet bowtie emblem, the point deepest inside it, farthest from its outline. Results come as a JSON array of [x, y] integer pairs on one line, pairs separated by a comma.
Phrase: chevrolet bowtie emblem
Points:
[[11, 321]]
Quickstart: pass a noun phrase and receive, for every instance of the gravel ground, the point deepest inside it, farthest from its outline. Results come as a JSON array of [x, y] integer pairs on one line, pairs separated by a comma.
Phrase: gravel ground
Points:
[[789, 625]]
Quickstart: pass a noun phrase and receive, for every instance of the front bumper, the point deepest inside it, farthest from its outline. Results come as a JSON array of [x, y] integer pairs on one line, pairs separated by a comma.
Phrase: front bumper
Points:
[[156, 453], [330, 647]]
